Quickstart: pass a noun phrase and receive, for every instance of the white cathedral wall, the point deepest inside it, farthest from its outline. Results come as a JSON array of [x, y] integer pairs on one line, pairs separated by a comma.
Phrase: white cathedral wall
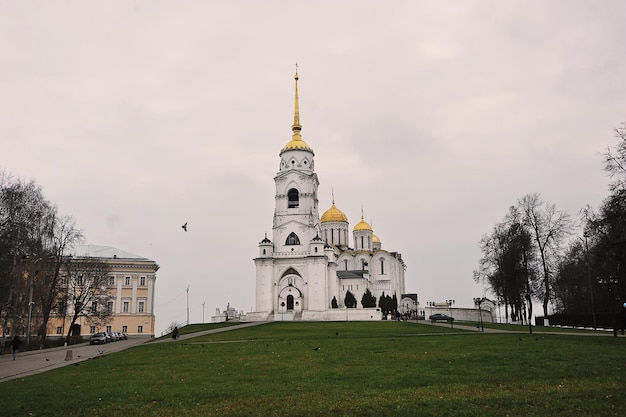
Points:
[[343, 314], [317, 290], [264, 284]]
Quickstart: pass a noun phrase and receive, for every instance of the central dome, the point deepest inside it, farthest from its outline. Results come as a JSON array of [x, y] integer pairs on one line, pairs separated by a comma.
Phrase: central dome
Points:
[[333, 214]]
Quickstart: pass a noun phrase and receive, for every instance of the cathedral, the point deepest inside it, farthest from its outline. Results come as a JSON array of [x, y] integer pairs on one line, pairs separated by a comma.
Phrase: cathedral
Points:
[[309, 270]]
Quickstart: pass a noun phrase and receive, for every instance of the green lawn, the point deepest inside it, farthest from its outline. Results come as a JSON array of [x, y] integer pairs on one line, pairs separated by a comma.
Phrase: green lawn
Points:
[[339, 369]]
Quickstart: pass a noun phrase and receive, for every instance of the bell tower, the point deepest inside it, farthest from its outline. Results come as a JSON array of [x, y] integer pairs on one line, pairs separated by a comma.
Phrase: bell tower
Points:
[[296, 217]]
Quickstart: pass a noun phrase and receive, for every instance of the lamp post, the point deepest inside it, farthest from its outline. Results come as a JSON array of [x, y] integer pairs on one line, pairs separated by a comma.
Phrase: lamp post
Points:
[[593, 310], [478, 302], [449, 303], [30, 305], [609, 282], [187, 304]]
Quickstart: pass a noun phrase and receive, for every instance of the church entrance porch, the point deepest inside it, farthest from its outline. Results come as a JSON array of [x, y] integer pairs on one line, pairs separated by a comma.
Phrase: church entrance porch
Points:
[[290, 302]]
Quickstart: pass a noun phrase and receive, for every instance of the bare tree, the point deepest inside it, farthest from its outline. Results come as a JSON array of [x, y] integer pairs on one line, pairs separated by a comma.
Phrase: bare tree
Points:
[[23, 217], [549, 227], [63, 235], [508, 266], [87, 292], [615, 160]]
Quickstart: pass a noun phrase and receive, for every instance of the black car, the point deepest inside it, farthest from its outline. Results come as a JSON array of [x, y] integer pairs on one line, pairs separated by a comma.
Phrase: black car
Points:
[[440, 317]]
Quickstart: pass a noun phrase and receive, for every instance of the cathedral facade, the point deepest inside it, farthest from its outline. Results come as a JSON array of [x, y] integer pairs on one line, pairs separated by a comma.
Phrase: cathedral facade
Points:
[[312, 263]]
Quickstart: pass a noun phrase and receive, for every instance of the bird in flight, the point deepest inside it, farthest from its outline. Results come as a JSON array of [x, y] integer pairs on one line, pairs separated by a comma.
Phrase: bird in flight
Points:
[[185, 226]]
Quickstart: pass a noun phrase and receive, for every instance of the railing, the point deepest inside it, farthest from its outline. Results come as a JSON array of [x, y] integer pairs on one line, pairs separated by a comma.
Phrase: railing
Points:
[[170, 329]]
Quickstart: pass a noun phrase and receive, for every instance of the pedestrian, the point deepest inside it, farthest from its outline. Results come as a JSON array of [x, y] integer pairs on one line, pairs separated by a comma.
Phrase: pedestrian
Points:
[[175, 333], [15, 345]]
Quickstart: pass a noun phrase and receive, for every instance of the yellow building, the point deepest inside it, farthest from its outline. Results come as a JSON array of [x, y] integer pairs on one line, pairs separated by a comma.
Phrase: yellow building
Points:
[[130, 285]]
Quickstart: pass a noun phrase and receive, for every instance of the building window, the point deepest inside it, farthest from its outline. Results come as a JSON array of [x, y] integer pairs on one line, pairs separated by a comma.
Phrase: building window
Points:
[[139, 329], [79, 280], [63, 280], [293, 198], [142, 281], [362, 246], [110, 307], [141, 306], [112, 281], [109, 329], [292, 239], [382, 266], [59, 330], [126, 307], [125, 329], [127, 281], [363, 264], [263, 251], [94, 307], [92, 329], [345, 263]]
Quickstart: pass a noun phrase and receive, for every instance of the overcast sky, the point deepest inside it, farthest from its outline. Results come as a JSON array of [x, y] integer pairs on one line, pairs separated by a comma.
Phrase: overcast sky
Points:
[[434, 116]]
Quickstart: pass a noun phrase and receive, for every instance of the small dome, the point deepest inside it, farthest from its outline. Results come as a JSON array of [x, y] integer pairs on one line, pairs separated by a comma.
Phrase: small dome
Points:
[[375, 238], [296, 143], [362, 225], [333, 214]]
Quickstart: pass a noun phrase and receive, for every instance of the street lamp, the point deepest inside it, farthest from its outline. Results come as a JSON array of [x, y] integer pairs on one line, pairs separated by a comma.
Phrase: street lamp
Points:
[[449, 303], [609, 282], [478, 302], [593, 310], [30, 305]]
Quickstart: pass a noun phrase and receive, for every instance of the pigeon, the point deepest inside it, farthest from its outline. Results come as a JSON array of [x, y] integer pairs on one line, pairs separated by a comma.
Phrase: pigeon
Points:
[[185, 226], [101, 352], [47, 360], [316, 348]]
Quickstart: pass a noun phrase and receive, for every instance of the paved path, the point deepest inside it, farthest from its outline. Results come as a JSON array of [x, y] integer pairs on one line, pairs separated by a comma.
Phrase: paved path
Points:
[[38, 361]]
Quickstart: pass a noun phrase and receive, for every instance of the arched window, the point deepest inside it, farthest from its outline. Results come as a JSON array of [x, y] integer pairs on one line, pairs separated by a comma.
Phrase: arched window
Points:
[[345, 263], [293, 198], [382, 267], [292, 239]]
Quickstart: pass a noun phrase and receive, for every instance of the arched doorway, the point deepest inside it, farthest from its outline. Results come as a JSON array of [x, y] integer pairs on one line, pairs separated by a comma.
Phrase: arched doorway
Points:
[[289, 302]]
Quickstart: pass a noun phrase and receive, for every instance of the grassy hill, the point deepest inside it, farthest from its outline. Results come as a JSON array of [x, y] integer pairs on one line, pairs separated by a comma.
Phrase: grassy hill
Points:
[[339, 369]]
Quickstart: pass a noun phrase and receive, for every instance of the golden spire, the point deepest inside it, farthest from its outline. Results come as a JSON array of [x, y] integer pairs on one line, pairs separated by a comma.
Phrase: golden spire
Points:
[[296, 141], [296, 127]]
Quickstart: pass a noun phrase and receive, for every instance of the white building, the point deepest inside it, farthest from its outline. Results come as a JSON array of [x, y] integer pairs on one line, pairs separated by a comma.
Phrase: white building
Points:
[[308, 267]]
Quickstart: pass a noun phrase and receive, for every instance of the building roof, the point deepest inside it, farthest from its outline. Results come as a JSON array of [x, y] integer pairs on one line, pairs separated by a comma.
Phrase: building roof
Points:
[[97, 251], [351, 274]]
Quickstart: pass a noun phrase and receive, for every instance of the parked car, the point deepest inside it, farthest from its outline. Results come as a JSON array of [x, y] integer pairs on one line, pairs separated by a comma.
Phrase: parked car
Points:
[[440, 317], [111, 337], [98, 339]]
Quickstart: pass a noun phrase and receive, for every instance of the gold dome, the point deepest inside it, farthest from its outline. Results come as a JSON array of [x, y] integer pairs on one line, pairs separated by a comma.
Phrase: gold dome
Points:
[[296, 143], [375, 238], [333, 214], [362, 225]]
